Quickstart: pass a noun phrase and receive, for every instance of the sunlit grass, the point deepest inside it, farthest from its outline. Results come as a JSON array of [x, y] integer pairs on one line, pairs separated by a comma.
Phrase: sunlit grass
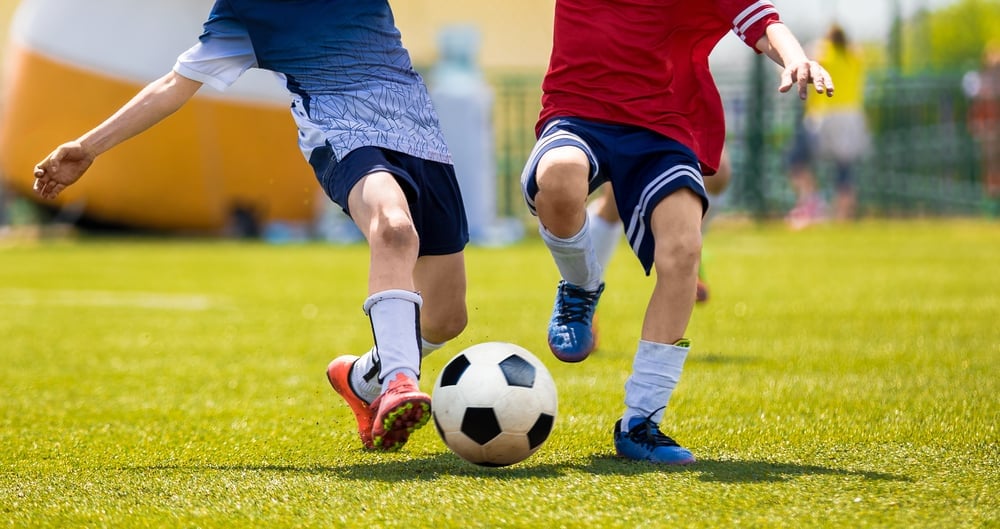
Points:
[[842, 376]]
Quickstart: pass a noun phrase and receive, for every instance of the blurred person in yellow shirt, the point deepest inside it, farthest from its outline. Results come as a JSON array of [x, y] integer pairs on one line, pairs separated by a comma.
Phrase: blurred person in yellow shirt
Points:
[[831, 129]]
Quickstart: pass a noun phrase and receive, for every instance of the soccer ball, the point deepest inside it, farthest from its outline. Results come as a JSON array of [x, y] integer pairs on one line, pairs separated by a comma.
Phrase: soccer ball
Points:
[[494, 404]]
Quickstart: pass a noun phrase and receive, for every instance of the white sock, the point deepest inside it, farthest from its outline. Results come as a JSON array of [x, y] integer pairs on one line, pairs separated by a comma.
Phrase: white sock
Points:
[[427, 348], [395, 317], [605, 236], [655, 371], [575, 257], [364, 377], [364, 373]]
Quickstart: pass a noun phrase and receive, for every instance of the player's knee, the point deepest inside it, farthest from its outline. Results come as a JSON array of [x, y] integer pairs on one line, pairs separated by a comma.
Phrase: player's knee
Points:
[[563, 160], [446, 326], [454, 324], [394, 229], [678, 253], [562, 174]]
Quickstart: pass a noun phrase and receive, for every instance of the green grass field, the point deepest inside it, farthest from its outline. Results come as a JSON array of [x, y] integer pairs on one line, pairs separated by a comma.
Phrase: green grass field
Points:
[[842, 376]]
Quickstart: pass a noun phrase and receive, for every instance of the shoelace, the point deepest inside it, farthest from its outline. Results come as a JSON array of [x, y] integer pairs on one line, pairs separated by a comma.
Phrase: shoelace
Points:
[[575, 304], [649, 434]]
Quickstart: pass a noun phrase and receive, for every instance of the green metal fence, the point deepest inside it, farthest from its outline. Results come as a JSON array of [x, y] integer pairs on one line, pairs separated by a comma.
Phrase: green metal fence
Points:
[[923, 160], [518, 101]]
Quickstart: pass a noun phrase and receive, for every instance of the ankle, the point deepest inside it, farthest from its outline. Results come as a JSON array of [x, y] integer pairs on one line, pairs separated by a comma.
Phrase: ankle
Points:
[[391, 377]]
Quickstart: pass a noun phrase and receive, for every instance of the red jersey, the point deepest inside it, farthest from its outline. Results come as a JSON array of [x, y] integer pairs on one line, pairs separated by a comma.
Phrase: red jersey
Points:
[[645, 63]]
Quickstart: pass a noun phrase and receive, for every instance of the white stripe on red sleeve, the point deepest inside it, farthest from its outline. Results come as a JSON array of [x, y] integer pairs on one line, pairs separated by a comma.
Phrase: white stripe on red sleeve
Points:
[[752, 14]]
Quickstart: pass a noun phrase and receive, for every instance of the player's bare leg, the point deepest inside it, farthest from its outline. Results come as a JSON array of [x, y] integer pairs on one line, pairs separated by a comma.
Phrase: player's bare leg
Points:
[[659, 360], [379, 208], [562, 176], [676, 225], [441, 281]]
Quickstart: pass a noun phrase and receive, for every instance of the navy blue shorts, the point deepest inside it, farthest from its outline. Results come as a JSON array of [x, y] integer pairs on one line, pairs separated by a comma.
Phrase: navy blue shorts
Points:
[[643, 166], [431, 190]]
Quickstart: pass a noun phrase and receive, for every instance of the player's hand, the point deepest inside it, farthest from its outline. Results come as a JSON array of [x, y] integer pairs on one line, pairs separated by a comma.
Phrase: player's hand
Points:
[[803, 74], [61, 169]]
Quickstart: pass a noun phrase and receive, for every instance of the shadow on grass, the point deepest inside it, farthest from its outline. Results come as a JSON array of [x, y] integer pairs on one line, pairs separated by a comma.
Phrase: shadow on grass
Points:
[[721, 358], [711, 357], [395, 468], [728, 471], [386, 467]]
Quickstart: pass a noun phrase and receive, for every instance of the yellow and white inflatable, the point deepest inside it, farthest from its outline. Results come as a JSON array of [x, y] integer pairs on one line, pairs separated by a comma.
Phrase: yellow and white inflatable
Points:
[[70, 63]]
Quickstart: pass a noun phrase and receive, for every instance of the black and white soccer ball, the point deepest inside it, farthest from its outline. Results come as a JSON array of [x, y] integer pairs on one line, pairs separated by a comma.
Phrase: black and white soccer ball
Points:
[[494, 404]]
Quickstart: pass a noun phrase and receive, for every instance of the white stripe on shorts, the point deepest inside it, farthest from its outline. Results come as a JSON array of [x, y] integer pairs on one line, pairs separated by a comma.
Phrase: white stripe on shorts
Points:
[[542, 146], [637, 227]]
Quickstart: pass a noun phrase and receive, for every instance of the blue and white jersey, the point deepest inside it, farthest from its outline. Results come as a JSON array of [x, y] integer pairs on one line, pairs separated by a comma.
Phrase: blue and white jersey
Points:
[[351, 79]]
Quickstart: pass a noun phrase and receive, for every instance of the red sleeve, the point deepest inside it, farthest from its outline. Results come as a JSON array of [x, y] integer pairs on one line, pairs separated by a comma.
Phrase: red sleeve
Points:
[[749, 18]]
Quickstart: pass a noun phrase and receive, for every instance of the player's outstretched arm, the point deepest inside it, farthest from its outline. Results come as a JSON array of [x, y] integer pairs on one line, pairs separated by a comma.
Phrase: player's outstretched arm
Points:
[[68, 162], [783, 48]]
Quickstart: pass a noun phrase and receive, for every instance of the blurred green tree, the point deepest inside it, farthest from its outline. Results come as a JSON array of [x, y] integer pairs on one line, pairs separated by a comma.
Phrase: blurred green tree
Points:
[[951, 38]]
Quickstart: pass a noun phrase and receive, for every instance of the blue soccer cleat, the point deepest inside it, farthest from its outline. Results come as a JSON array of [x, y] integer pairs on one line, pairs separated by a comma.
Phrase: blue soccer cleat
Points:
[[645, 442], [571, 335]]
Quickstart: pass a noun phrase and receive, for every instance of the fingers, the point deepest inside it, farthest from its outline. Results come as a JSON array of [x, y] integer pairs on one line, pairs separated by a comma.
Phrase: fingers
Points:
[[824, 85], [43, 184], [41, 180], [47, 178], [821, 79], [802, 75], [45, 167], [45, 188], [786, 80], [50, 164], [48, 189]]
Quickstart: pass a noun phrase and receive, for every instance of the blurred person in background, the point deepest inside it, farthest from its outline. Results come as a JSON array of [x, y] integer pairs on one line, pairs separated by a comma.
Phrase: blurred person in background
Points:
[[833, 130], [367, 126], [984, 121], [629, 98], [3, 207]]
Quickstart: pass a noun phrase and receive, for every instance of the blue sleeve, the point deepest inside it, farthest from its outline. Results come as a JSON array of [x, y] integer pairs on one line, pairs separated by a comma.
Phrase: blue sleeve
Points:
[[223, 51]]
